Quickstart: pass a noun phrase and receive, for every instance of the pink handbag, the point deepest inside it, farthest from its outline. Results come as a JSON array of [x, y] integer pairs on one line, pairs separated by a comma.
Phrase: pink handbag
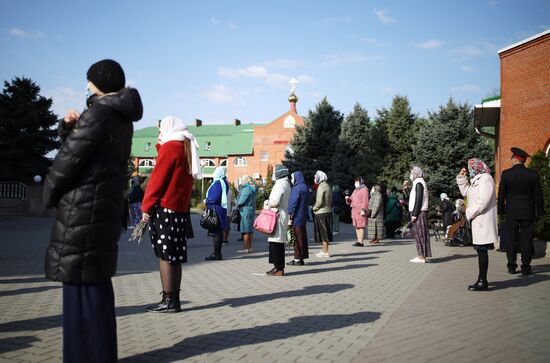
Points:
[[266, 221]]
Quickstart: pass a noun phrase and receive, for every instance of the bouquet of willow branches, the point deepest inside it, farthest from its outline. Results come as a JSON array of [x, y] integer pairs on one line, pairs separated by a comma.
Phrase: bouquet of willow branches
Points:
[[138, 232]]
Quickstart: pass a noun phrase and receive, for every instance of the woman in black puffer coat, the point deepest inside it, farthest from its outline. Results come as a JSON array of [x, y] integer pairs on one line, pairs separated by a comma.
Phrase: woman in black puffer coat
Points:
[[86, 183]]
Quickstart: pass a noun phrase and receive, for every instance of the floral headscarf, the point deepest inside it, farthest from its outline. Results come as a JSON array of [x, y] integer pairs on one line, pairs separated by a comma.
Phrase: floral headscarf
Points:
[[247, 180], [476, 167]]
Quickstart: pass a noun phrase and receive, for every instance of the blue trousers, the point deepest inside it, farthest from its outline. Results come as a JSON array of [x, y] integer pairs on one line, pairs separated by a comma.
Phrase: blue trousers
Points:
[[89, 325]]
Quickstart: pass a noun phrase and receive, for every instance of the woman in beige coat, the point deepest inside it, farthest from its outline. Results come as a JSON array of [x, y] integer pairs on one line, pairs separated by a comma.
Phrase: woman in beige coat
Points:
[[481, 211]]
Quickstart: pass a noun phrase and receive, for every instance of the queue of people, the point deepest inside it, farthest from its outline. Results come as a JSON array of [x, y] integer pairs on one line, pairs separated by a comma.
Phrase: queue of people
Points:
[[82, 252]]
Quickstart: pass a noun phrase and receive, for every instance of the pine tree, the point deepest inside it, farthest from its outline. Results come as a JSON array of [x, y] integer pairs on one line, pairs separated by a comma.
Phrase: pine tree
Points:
[[358, 152], [444, 145], [314, 144], [26, 133], [398, 122]]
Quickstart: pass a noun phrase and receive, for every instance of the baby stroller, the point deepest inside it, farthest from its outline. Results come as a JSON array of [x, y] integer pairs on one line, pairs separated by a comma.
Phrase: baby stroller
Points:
[[459, 234]]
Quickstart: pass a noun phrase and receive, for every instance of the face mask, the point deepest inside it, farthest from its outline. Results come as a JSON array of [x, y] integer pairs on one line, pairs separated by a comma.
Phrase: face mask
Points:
[[357, 185], [88, 93], [411, 177]]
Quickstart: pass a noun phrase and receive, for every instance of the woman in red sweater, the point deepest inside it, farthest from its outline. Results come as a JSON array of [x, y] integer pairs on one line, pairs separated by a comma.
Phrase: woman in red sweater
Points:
[[166, 205]]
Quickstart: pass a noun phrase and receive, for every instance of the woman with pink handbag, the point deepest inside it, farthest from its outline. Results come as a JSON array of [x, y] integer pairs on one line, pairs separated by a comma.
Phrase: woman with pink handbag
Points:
[[278, 199]]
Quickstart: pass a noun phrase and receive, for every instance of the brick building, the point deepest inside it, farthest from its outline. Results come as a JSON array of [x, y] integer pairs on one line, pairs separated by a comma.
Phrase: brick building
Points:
[[245, 149], [520, 116]]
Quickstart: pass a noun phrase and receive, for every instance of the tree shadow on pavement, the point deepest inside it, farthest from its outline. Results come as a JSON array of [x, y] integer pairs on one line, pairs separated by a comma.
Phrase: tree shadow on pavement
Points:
[[254, 299], [450, 258], [28, 290], [337, 260], [213, 342], [16, 343], [321, 270]]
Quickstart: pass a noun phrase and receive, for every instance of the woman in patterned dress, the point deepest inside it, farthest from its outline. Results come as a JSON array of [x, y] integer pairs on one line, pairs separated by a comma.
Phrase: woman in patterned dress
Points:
[[165, 206]]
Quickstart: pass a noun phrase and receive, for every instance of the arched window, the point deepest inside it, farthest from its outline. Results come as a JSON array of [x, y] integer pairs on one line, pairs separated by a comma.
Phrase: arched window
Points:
[[240, 161], [223, 162], [146, 162], [208, 162]]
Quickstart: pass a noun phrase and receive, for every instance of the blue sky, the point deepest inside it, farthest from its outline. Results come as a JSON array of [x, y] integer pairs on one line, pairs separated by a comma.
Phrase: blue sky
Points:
[[220, 60]]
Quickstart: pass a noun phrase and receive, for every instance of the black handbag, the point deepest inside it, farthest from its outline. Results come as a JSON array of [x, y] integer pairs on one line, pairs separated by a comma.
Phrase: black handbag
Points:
[[235, 216], [209, 220]]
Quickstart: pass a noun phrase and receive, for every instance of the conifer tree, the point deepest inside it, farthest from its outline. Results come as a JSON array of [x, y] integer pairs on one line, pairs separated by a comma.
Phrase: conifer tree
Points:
[[444, 145], [26, 130], [314, 144], [360, 149], [398, 123]]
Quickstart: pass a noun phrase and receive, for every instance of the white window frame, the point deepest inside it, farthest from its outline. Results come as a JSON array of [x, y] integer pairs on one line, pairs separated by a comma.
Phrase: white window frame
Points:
[[208, 162], [223, 162], [146, 163], [240, 161]]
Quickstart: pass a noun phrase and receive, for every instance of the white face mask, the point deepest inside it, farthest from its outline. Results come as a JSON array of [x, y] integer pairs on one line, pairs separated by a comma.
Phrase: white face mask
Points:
[[357, 185], [411, 177]]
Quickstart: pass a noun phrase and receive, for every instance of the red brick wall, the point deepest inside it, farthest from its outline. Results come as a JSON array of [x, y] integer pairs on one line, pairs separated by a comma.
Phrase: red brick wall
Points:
[[525, 100]]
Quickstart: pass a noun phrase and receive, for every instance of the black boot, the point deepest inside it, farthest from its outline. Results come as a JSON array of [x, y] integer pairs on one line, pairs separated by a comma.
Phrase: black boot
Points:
[[479, 285], [170, 303]]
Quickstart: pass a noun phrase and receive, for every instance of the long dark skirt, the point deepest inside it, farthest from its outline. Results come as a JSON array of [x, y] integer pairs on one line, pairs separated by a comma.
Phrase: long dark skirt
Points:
[[421, 235], [277, 255], [323, 227], [167, 231], [89, 324], [301, 250]]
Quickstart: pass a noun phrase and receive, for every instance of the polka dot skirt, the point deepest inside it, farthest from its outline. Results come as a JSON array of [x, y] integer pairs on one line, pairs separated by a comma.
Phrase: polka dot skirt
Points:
[[167, 231]]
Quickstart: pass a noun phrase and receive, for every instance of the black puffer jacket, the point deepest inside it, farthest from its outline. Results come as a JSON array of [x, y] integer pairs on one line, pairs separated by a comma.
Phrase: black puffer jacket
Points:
[[86, 183]]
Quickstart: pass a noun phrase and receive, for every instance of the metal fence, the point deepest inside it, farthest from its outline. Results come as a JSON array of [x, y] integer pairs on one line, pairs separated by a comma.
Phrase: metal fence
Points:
[[13, 190]]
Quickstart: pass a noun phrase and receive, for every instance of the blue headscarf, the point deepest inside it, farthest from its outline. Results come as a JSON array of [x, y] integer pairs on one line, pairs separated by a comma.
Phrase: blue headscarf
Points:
[[219, 174]]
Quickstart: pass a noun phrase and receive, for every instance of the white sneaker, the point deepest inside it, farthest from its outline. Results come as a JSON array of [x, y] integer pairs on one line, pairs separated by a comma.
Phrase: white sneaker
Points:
[[322, 254], [417, 260]]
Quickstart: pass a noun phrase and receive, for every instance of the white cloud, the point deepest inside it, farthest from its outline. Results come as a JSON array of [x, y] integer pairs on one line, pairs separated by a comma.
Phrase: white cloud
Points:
[[338, 19], [372, 41], [219, 94], [389, 90], [350, 58], [465, 88], [229, 24], [65, 98], [21, 33], [468, 69], [261, 73], [473, 50], [284, 63], [430, 44], [384, 16]]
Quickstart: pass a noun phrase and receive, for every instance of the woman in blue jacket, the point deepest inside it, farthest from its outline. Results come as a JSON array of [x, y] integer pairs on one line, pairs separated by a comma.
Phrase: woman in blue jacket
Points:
[[216, 198], [246, 202], [297, 210]]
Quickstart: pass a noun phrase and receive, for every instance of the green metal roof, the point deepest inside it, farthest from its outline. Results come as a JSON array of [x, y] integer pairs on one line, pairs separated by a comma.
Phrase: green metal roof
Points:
[[224, 140], [489, 99]]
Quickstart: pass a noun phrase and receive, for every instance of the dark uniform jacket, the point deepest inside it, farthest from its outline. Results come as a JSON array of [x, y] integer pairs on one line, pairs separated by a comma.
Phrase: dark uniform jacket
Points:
[[520, 194], [86, 183]]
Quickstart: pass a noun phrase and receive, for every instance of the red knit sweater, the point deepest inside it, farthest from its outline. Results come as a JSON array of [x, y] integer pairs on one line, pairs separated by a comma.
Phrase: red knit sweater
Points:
[[170, 183]]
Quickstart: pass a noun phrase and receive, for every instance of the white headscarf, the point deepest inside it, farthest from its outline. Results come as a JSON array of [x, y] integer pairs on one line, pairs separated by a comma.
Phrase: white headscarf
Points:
[[320, 177], [173, 129], [416, 172]]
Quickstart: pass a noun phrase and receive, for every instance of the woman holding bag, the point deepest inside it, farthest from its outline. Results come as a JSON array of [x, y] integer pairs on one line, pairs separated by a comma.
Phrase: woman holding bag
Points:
[[481, 211], [246, 202], [278, 199], [216, 199], [165, 206]]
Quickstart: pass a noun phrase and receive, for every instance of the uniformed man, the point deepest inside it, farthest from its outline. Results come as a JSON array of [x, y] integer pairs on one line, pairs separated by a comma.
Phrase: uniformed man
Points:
[[520, 201]]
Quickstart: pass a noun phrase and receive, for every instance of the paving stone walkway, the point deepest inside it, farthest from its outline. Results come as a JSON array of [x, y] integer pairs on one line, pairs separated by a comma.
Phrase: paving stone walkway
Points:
[[362, 304]]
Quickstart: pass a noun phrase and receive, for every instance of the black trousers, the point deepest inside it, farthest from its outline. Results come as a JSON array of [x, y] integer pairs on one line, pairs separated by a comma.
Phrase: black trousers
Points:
[[89, 325], [519, 238], [277, 255]]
